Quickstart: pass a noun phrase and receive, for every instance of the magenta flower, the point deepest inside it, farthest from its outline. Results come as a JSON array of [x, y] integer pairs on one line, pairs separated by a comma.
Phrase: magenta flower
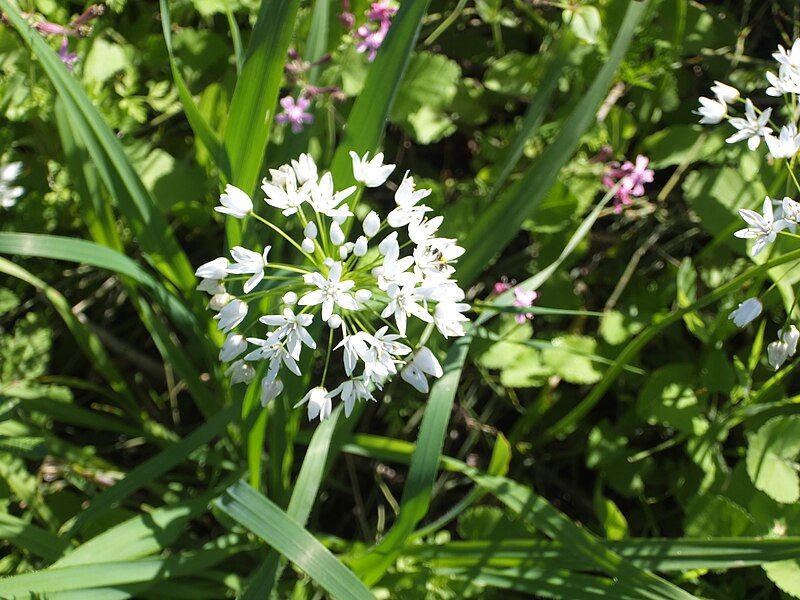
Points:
[[501, 286], [371, 39], [381, 11], [524, 299], [294, 112], [67, 57], [631, 177]]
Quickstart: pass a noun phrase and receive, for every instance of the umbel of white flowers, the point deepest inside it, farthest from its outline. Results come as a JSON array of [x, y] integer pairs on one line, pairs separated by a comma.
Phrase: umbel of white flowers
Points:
[[10, 193], [363, 290]]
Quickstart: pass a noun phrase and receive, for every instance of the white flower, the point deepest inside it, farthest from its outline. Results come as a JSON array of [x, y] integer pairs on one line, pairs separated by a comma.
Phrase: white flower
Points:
[[329, 203], [305, 168], [234, 202], [234, 345], [762, 227], [790, 58], [372, 223], [270, 389], [752, 128], [319, 403], [420, 231], [786, 145], [394, 270], [9, 194], [213, 269], [724, 92], [350, 391], [404, 301], [448, 318], [778, 352], [240, 372], [210, 287], [372, 173], [246, 261], [360, 247], [293, 328], [288, 198], [746, 312], [406, 198], [331, 292], [422, 363], [355, 348], [436, 256], [787, 81], [789, 215], [231, 315], [711, 111]]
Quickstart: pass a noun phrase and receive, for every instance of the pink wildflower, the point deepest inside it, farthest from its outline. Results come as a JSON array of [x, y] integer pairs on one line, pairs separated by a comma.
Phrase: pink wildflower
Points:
[[524, 299], [632, 178], [67, 57], [371, 40], [501, 286], [294, 112], [381, 11]]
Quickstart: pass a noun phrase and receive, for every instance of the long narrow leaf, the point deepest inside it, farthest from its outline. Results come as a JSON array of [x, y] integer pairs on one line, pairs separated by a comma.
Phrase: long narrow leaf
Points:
[[504, 217], [261, 516]]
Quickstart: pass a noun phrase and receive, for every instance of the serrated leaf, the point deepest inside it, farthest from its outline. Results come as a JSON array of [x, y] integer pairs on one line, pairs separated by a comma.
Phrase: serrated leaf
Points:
[[786, 575], [769, 458]]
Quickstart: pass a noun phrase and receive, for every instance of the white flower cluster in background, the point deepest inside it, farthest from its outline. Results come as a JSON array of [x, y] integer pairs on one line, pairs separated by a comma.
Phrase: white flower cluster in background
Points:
[[776, 215], [10, 193], [352, 299]]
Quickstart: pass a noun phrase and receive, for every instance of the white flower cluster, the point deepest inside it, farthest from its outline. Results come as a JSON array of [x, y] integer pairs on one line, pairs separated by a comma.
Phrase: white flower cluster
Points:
[[776, 215], [364, 291], [10, 193], [755, 124]]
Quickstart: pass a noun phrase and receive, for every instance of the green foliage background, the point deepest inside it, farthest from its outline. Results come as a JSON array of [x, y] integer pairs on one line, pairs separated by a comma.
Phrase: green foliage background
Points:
[[628, 442]]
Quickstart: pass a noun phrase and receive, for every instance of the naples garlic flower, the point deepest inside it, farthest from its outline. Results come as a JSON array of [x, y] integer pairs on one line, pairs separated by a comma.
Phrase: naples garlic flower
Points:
[[360, 294]]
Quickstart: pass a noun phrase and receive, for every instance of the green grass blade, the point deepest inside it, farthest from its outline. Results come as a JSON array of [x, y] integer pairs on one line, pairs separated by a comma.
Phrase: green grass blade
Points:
[[306, 488], [367, 119], [262, 517], [418, 489], [537, 109], [125, 186], [200, 127], [504, 217], [87, 577], [568, 421], [141, 536], [543, 516], [317, 42], [651, 554], [86, 339], [236, 37], [154, 467], [30, 538], [555, 583], [88, 253], [254, 100]]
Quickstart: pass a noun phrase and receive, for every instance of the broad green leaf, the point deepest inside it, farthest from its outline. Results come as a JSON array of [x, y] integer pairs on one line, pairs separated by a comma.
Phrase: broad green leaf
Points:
[[771, 458], [262, 517], [567, 358], [585, 23], [668, 398]]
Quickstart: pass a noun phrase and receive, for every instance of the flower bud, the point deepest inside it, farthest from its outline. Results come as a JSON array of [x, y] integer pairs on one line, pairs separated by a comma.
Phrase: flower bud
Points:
[[363, 295], [343, 252], [290, 298], [337, 235], [335, 321], [360, 247], [311, 230], [218, 301], [328, 262], [372, 223], [307, 245]]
